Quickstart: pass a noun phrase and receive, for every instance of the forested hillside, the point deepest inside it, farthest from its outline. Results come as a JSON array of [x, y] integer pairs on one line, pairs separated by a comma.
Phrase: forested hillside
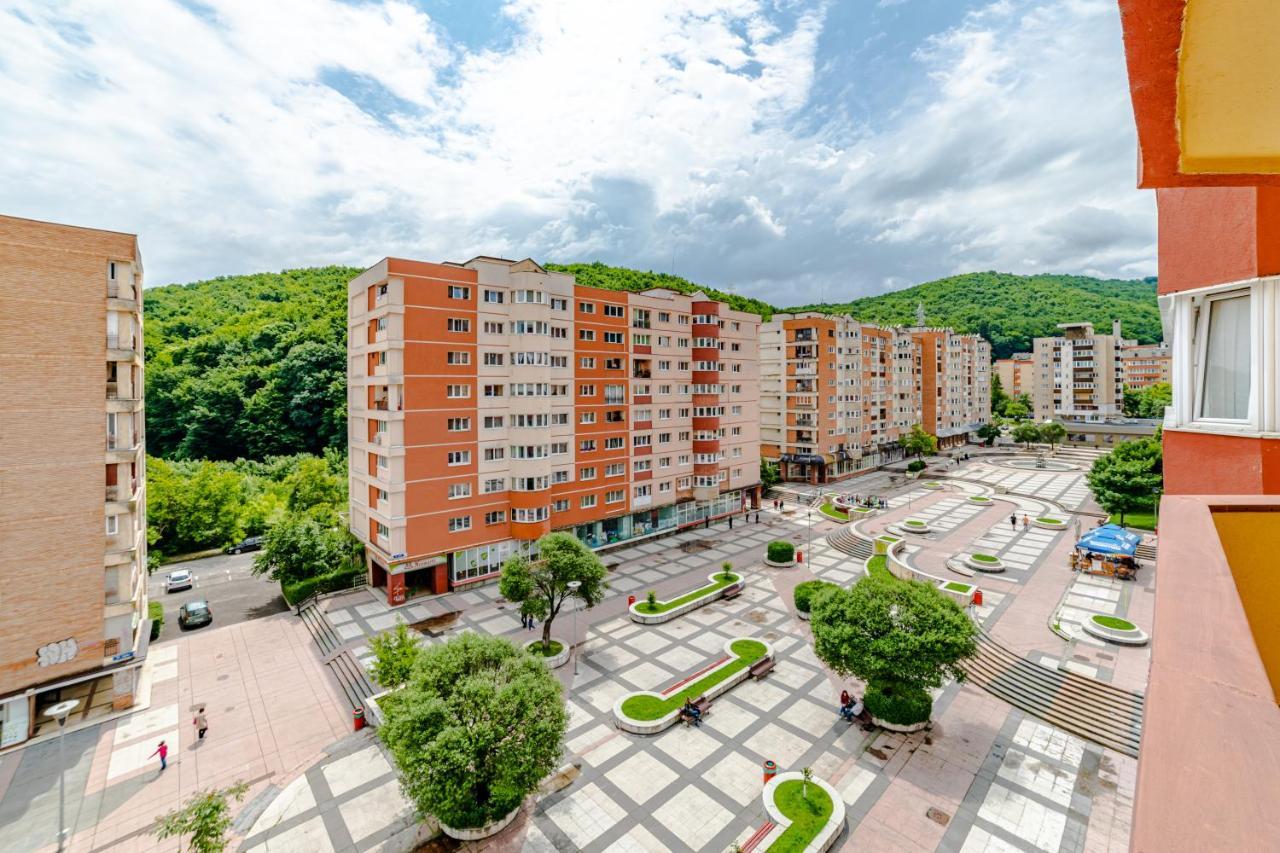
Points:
[[620, 278]]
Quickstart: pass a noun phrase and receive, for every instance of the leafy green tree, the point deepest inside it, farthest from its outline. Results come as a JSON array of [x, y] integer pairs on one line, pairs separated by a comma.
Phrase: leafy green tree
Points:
[[1016, 409], [900, 637], [1148, 402], [1052, 433], [1027, 433], [769, 474], [917, 442], [311, 485], [989, 433], [394, 654], [300, 546], [999, 399], [192, 506], [475, 729], [1128, 478], [205, 817], [541, 586]]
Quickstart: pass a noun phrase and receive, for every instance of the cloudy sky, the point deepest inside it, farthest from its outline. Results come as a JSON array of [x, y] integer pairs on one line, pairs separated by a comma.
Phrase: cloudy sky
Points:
[[787, 149]]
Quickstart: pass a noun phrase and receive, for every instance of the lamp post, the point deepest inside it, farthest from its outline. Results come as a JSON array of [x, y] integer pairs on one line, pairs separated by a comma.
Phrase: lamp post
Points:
[[573, 589], [1155, 508], [60, 712], [809, 548]]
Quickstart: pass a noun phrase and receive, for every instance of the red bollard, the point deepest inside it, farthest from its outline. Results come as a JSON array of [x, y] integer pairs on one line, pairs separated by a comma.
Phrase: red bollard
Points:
[[799, 556], [631, 599], [977, 598], [357, 719], [770, 770]]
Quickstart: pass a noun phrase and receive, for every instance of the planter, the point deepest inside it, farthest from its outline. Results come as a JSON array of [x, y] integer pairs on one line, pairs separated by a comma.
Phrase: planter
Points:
[[991, 564], [785, 565], [894, 727], [555, 660], [914, 525], [1050, 523], [826, 834], [492, 828], [959, 592], [932, 485], [864, 511], [706, 598], [804, 615], [1115, 630], [980, 499]]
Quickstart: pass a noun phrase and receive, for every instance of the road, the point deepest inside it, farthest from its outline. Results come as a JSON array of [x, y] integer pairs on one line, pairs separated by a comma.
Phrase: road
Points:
[[234, 593]]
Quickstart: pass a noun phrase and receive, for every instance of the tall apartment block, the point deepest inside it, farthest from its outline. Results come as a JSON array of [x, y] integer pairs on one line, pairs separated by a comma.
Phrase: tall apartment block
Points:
[[1079, 375], [837, 393], [1017, 373], [492, 402], [1146, 364], [72, 519]]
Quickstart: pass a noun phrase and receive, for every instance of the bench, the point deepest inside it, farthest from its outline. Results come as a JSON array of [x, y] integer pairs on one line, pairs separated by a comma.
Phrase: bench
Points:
[[732, 591], [703, 706], [760, 668]]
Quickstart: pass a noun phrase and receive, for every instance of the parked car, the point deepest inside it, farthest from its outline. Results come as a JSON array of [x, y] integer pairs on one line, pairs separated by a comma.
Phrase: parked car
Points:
[[253, 543], [193, 614], [181, 579]]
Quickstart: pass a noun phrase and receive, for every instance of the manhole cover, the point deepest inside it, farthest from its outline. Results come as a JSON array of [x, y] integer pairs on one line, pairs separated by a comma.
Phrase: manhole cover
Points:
[[939, 817]]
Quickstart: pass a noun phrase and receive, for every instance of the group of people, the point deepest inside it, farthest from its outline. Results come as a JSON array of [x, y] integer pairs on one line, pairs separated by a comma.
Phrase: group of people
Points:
[[1013, 521], [201, 724], [527, 622], [870, 501], [851, 708]]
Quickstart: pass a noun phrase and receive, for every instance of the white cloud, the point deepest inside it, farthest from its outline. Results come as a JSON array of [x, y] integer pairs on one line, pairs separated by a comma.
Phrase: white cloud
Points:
[[627, 132]]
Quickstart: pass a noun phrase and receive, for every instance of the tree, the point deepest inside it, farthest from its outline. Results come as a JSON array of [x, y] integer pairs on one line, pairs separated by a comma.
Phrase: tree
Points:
[[205, 817], [999, 399], [300, 546], [1016, 409], [311, 484], [918, 442], [769, 474], [989, 433], [1027, 433], [1148, 402], [901, 637], [394, 653], [193, 505], [475, 729], [1052, 433], [726, 570], [542, 586], [1128, 477]]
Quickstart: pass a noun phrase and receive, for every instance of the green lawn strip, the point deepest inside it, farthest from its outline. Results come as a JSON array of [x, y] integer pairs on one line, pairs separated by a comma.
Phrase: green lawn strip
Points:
[[1114, 623], [1139, 520], [956, 586], [664, 606], [985, 558], [878, 566], [1047, 520], [808, 815], [888, 538], [556, 648], [830, 511], [652, 707]]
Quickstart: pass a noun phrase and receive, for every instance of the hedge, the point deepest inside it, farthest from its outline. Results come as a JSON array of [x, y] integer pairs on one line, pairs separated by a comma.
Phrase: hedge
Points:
[[781, 551], [328, 582], [807, 591], [899, 704], [916, 465], [155, 610]]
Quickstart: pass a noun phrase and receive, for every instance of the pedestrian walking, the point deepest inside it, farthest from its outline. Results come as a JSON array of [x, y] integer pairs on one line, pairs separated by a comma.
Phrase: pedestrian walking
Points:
[[201, 722], [163, 751], [731, 522], [1013, 520], [1026, 522]]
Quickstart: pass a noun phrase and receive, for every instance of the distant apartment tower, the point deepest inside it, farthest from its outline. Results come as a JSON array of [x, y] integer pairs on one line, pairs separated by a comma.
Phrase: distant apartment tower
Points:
[[1017, 373], [1079, 375], [837, 393], [1146, 364], [493, 401], [73, 577]]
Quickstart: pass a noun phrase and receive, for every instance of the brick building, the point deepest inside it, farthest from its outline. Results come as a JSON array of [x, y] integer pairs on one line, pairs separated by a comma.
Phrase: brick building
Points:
[[1016, 373], [492, 402], [1145, 364], [1079, 374], [72, 519]]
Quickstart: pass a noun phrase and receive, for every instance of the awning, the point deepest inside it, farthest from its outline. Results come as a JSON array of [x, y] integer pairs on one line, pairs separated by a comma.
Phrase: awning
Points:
[[1110, 539]]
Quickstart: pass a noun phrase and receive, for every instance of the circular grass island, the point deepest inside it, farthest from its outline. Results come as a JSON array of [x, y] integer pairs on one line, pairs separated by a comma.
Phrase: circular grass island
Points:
[[933, 485], [984, 562], [914, 525], [979, 499], [556, 655], [1113, 629], [1048, 522], [808, 816]]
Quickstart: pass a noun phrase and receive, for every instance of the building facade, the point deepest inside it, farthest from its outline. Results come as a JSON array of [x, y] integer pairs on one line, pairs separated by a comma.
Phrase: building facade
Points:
[[494, 401], [1079, 375], [836, 393], [73, 579], [1017, 373], [1146, 364]]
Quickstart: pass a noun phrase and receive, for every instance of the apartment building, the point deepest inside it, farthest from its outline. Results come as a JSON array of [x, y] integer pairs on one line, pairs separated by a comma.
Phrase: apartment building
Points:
[[1017, 373], [493, 401], [1146, 364], [72, 515], [837, 393], [1079, 374]]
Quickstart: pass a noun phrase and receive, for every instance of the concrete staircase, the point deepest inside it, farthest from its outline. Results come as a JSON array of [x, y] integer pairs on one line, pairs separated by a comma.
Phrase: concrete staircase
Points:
[[352, 679], [848, 542], [322, 630], [1094, 710]]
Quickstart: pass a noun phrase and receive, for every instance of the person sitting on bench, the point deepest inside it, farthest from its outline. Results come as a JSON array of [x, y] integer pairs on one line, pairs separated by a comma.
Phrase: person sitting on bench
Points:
[[691, 713]]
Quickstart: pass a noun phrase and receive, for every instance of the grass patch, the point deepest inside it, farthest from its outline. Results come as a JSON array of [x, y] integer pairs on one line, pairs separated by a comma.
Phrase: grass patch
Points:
[[1047, 520], [864, 509], [155, 612], [911, 522], [652, 707], [1114, 623], [984, 558], [831, 511], [878, 566], [664, 606], [956, 586], [1138, 520], [980, 499], [537, 649], [808, 814], [889, 538]]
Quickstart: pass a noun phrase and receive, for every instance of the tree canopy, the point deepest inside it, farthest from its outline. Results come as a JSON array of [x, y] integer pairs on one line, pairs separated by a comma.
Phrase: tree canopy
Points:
[[1027, 433], [1148, 402], [1129, 477], [917, 442], [541, 585]]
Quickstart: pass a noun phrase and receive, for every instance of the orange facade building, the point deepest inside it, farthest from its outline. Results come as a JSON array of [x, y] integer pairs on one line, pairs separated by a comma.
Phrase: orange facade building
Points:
[[494, 401]]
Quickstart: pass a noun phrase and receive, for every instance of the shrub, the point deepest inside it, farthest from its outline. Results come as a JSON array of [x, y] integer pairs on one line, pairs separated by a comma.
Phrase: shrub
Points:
[[781, 551], [900, 704], [807, 591], [652, 599], [155, 610], [916, 465], [328, 582]]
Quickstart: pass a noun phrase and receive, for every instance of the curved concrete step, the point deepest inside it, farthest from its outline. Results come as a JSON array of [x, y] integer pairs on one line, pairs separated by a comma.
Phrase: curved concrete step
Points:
[[850, 543]]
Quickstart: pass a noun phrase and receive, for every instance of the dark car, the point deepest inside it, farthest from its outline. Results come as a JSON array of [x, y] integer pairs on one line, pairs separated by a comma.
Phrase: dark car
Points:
[[253, 543], [193, 614]]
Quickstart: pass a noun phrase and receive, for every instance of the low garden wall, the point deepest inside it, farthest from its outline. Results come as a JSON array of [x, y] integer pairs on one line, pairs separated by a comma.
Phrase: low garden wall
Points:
[[554, 660], [803, 835], [685, 603]]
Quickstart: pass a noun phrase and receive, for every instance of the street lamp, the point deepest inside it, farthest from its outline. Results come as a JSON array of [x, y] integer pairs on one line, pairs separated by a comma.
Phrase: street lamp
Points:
[[573, 589], [809, 550], [60, 712]]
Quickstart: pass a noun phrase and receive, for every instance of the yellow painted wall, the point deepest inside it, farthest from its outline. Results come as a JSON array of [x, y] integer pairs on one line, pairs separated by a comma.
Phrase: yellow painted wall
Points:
[[1229, 87], [1249, 540]]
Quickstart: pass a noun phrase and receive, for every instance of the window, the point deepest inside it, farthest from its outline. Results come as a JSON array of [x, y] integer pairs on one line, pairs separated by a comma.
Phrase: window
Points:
[[1222, 352], [493, 390], [561, 505], [461, 522], [617, 469], [559, 448], [664, 317], [587, 418], [459, 457], [531, 297], [459, 490], [614, 443], [587, 307], [613, 337], [614, 496], [493, 359], [559, 332], [459, 324], [384, 532], [643, 491], [493, 454], [588, 445], [587, 473], [613, 364], [559, 304], [614, 311], [664, 487], [560, 360], [586, 335], [586, 390], [459, 424], [559, 418], [614, 416], [529, 516], [642, 465], [458, 357], [498, 516], [495, 484], [587, 501], [113, 525], [492, 328], [587, 362], [559, 477], [645, 440], [664, 438], [456, 292], [458, 392], [493, 297]]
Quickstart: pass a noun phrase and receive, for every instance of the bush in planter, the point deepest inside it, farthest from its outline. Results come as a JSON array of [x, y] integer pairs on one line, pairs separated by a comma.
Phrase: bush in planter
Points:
[[805, 593], [476, 727], [155, 611], [916, 465], [897, 703], [781, 551]]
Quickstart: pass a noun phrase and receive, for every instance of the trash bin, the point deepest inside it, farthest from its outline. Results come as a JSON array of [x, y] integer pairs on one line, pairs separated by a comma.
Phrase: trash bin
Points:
[[357, 719], [631, 599], [770, 770]]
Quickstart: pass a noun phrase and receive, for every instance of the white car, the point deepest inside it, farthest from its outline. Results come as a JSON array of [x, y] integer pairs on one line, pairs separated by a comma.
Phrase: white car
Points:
[[180, 579]]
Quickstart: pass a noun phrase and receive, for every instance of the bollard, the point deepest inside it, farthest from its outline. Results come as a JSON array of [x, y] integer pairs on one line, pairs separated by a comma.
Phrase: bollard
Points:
[[770, 770], [357, 719], [799, 556], [977, 598], [631, 599]]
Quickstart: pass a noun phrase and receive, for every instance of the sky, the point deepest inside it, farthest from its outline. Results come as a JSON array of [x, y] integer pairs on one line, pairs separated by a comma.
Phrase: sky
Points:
[[793, 150]]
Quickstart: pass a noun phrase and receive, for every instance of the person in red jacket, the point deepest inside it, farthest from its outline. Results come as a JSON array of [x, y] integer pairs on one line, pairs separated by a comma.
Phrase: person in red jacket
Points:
[[163, 751]]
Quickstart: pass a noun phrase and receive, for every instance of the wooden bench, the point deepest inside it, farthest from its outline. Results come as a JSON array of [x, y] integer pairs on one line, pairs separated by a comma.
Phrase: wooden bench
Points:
[[703, 705], [732, 591], [760, 668]]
